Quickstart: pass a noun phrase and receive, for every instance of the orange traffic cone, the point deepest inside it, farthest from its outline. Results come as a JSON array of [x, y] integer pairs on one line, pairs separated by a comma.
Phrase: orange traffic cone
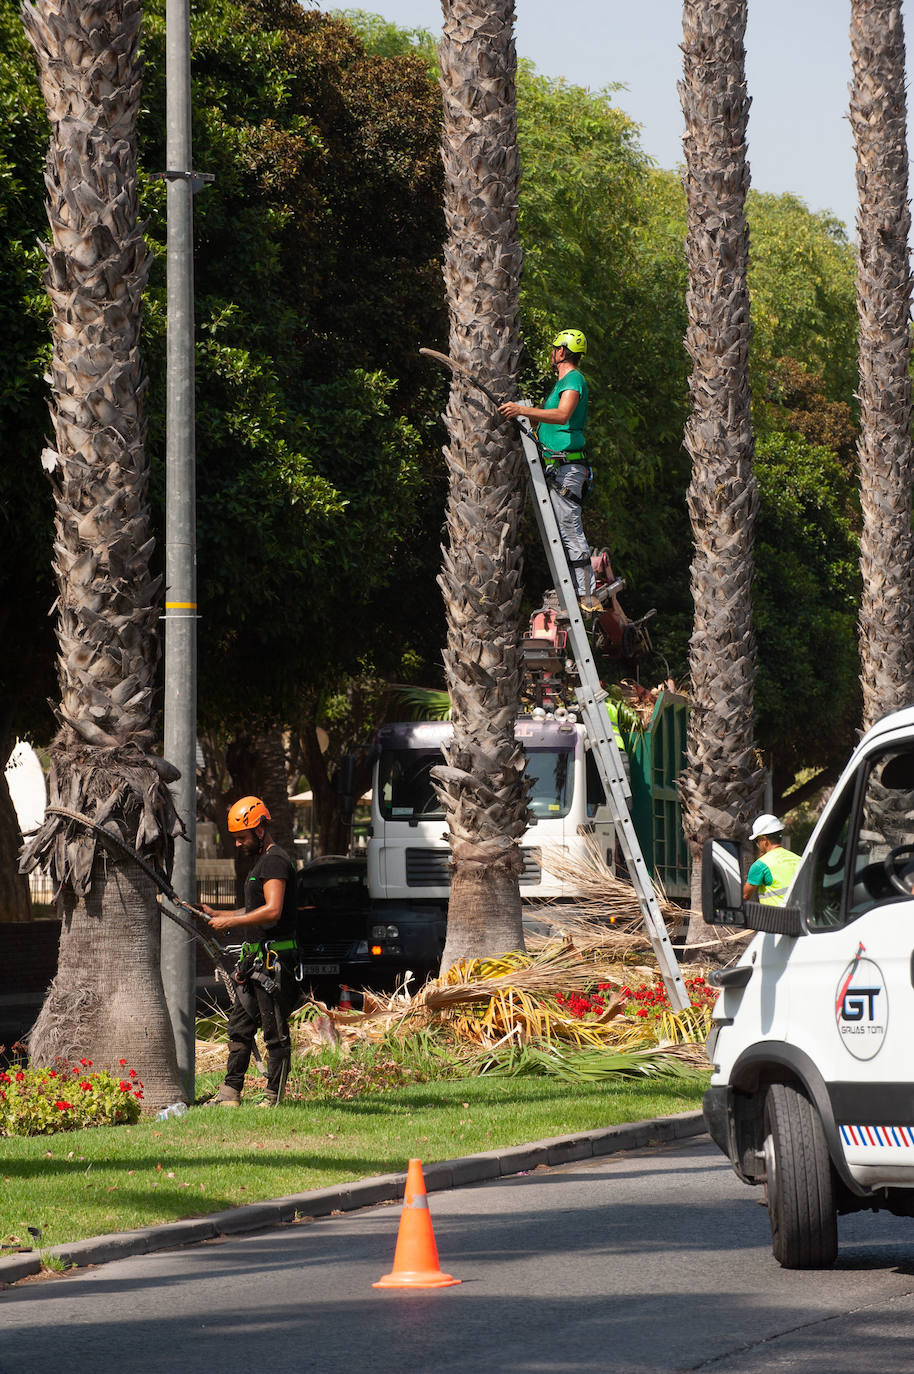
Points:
[[345, 1002], [416, 1258]]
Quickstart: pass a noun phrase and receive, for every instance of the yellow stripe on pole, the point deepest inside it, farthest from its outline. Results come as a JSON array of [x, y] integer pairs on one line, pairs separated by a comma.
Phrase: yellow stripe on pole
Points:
[[180, 605]]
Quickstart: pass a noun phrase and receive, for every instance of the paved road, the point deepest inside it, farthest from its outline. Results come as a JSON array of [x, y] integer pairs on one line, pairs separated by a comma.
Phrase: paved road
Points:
[[651, 1261]]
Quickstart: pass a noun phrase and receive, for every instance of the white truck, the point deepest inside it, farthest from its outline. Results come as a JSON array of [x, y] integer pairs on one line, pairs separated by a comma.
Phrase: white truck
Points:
[[408, 850], [812, 1092]]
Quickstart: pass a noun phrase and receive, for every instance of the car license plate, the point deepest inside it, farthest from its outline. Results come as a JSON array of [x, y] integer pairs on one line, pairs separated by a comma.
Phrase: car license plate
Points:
[[318, 969]]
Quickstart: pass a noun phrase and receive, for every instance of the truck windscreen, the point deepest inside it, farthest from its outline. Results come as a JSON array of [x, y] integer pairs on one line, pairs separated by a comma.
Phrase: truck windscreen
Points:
[[405, 789], [406, 792], [552, 774]]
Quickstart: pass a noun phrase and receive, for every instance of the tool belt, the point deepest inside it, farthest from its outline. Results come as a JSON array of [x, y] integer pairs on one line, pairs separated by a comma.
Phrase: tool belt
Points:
[[257, 961], [553, 456]]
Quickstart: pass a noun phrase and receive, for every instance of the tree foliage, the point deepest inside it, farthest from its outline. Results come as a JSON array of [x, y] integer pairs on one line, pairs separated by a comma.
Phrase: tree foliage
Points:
[[320, 485], [806, 593], [314, 444]]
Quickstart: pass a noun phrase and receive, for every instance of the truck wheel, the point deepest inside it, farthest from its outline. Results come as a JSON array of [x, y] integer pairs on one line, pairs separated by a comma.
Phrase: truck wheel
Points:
[[799, 1183]]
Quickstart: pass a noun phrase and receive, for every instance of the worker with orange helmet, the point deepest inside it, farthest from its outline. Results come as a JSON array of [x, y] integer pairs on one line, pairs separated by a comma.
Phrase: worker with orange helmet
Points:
[[561, 422], [266, 986]]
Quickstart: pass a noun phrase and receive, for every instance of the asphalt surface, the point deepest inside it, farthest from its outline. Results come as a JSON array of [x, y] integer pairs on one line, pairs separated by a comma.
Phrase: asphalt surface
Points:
[[346, 1197], [649, 1260]]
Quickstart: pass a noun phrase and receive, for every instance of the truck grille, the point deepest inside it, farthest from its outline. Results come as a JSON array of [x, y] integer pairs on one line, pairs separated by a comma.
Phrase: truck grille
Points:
[[432, 868], [329, 950]]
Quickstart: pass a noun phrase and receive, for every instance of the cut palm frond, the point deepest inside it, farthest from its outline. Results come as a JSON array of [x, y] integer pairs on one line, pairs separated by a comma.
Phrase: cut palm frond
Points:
[[605, 909], [583, 1065], [422, 703]]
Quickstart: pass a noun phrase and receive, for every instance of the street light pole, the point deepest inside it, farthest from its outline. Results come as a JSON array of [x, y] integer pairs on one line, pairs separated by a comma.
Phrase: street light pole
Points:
[[178, 958]]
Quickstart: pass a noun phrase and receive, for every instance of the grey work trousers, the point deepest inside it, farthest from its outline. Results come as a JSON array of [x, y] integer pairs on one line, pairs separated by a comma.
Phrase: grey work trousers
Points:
[[572, 477]]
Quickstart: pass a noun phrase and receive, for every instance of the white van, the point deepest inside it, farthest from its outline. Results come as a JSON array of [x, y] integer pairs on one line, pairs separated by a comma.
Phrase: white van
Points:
[[812, 1093]]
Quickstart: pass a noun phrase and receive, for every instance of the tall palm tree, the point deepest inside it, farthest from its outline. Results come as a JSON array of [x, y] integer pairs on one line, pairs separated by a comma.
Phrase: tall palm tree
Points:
[[721, 785], [878, 119], [482, 785], [106, 1002]]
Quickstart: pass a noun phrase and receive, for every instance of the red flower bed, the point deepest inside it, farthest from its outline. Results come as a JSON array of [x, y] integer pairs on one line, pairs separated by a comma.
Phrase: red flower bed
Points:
[[647, 1001]]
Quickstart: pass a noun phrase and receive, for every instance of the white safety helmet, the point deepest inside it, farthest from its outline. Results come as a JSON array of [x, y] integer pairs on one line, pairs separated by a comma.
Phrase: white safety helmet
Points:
[[765, 825]]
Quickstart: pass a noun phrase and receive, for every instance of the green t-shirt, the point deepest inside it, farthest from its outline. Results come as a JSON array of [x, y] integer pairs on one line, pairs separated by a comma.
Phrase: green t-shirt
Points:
[[568, 438]]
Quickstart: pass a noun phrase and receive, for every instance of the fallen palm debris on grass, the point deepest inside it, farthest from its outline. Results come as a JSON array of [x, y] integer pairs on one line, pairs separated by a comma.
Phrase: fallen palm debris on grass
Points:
[[559, 1001]]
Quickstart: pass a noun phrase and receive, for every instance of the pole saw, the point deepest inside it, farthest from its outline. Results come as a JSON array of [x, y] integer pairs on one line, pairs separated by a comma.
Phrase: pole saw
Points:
[[110, 837], [462, 371]]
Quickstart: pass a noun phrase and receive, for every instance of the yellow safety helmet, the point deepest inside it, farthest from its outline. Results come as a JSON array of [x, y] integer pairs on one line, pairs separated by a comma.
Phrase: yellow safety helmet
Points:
[[572, 339]]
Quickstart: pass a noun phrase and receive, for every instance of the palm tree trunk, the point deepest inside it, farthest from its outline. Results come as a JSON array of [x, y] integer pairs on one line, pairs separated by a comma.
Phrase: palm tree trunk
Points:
[[878, 118], [721, 786], [481, 785], [107, 998]]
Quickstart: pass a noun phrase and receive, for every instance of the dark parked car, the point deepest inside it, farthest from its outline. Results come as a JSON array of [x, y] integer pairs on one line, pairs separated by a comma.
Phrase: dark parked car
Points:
[[339, 941]]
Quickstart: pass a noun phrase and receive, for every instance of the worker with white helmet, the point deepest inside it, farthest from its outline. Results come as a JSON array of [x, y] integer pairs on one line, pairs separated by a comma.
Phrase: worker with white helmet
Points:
[[770, 876]]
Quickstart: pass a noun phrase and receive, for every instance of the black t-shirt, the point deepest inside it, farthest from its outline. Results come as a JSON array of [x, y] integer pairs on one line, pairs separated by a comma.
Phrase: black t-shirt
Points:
[[275, 863]]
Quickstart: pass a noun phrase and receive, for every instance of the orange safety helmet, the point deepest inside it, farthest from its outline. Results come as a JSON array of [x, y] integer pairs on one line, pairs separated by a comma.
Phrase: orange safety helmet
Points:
[[247, 814]]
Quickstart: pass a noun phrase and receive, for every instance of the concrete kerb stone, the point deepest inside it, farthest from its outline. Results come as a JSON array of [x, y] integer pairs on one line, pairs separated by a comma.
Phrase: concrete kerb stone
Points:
[[16, 1267], [367, 1192]]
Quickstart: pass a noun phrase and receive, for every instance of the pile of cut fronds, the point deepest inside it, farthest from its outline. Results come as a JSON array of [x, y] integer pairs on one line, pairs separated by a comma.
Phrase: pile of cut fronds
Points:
[[557, 998], [643, 700]]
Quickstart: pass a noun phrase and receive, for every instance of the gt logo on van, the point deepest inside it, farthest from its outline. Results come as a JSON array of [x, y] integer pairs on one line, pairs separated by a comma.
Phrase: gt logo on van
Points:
[[861, 1007]]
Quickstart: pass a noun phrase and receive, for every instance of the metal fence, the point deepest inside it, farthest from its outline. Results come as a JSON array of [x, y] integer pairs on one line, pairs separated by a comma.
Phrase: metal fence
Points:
[[218, 892]]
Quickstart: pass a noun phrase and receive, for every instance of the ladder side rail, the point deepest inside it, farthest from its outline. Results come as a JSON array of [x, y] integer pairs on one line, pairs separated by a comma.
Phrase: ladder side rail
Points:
[[564, 584], [591, 697], [640, 878]]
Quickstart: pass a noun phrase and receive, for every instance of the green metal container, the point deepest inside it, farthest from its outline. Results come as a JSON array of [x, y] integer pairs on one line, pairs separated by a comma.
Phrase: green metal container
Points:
[[657, 758]]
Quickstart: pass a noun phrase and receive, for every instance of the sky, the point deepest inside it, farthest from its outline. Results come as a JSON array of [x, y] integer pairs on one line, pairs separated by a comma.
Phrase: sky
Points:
[[797, 63]]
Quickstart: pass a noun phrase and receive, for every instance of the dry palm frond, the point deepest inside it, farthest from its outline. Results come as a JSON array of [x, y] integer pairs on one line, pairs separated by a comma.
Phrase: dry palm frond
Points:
[[209, 1055], [603, 902]]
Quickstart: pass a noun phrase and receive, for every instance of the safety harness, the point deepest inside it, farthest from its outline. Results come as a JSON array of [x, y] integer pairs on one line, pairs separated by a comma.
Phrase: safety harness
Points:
[[257, 960], [556, 460]]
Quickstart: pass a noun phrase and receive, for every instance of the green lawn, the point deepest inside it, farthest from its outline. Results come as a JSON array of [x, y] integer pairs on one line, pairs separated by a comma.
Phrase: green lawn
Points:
[[91, 1182]]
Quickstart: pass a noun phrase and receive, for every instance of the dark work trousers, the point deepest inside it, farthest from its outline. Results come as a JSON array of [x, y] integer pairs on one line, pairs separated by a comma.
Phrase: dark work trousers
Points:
[[255, 1009], [569, 518]]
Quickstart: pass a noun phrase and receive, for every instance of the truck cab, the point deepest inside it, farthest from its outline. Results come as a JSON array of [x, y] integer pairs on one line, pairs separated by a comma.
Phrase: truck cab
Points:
[[408, 853], [812, 1092]]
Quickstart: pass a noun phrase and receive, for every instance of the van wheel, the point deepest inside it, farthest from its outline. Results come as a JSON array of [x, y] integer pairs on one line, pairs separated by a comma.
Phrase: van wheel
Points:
[[799, 1182]]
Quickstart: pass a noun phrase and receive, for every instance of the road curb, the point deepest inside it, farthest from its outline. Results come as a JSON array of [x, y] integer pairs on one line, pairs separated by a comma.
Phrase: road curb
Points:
[[366, 1192]]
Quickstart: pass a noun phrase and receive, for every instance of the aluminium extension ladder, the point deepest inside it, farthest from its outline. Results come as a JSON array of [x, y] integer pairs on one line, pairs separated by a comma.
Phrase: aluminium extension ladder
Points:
[[591, 698]]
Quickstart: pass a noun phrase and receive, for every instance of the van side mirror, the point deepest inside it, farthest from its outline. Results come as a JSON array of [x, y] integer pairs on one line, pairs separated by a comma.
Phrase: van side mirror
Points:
[[722, 884], [722, 895]]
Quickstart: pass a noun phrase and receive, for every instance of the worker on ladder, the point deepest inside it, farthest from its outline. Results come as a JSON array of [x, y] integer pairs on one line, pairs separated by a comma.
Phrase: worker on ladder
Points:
[[561, 422]]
